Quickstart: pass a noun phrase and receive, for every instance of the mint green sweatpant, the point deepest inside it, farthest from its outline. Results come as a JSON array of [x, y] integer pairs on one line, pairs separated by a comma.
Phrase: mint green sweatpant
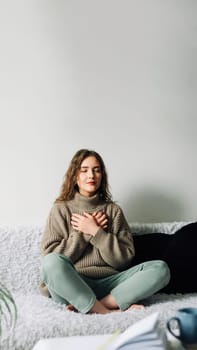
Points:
[[67, 286]]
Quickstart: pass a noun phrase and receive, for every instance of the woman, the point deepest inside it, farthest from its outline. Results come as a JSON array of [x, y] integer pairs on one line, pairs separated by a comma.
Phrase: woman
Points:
[[88, 247]]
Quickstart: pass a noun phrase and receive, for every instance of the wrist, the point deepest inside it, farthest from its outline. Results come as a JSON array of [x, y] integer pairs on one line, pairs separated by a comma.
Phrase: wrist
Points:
[[94, 232]]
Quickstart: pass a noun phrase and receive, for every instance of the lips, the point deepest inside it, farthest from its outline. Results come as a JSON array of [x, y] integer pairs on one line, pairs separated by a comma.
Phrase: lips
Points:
[[91, 183]]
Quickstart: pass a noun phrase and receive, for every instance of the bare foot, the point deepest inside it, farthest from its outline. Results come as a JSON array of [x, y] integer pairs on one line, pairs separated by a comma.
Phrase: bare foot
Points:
[[136, 306], [109, 302], [70, 307], [99, 308]]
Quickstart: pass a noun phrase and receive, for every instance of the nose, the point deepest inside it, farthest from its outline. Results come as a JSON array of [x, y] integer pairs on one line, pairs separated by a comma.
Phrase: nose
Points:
[[90, 173]]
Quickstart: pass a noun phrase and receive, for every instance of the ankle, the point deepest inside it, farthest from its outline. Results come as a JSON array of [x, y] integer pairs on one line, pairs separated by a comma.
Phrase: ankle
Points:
[[99, 308], [109, 302]]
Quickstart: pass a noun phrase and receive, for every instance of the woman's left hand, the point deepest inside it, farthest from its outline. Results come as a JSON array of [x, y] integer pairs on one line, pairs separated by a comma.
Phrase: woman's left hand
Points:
[[101, 219]]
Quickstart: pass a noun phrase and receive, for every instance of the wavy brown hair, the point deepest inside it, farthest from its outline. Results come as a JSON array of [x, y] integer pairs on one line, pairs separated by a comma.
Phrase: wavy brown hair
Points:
[[70, 187]]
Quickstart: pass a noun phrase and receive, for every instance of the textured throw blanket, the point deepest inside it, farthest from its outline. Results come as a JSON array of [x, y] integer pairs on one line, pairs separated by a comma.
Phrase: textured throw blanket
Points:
[[40, 317]]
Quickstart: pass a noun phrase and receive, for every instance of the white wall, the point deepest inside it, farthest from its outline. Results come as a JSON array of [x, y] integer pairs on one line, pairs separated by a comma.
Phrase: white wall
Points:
[[117, 76]]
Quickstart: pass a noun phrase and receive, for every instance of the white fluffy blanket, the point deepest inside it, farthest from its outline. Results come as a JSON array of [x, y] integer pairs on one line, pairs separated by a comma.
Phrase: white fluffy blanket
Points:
[[40, 317]]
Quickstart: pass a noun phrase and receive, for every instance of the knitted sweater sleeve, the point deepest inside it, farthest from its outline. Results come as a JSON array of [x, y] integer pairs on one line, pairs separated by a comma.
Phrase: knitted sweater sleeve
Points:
[[115, 247], [59, 237]]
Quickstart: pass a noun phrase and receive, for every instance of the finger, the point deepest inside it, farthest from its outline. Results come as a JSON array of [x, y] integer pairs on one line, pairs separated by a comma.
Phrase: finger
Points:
[[74, 225], [102, 222], [74, 220], [99, 214], [77, 216], [104, 219], [104, 216], [87, 215]]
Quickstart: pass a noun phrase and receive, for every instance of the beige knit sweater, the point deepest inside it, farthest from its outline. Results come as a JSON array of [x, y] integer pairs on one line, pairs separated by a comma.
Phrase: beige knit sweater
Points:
[[99, 256]]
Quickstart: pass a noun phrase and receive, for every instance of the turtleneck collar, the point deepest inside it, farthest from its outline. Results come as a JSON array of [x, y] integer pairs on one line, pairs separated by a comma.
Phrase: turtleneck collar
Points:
[[86, 203]]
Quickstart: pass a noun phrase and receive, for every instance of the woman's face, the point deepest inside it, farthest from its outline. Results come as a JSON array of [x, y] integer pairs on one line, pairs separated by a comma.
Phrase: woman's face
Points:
[[89, 176]]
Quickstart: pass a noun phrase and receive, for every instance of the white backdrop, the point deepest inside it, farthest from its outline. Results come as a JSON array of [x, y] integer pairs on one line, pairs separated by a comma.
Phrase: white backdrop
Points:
[[117, 76]]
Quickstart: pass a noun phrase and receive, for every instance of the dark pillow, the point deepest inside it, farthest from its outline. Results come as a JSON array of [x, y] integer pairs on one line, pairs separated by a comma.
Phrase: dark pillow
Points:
[[150, 246], [179, 250], [181, 257], [183, 244]]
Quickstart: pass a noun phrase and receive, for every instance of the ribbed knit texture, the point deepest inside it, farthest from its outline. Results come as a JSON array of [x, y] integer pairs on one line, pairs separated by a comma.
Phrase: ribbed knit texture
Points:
[[99, 256]]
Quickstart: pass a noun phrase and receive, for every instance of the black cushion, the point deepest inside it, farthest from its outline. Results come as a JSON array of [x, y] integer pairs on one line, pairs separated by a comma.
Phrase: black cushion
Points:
[[179, 250]]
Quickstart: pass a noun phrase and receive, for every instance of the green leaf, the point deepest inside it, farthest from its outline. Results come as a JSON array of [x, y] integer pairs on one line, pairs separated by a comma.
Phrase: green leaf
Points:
[[8, 309]]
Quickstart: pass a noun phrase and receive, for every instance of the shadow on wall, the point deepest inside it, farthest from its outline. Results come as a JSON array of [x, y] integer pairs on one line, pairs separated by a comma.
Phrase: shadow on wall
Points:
[[151, 206]]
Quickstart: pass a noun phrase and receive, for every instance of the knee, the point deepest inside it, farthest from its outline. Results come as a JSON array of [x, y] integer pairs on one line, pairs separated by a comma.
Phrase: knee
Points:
[[52, 261], [162, 270]]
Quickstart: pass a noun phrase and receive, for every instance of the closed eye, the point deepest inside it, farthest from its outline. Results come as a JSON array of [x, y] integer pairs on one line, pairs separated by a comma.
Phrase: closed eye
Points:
[[85, 169]]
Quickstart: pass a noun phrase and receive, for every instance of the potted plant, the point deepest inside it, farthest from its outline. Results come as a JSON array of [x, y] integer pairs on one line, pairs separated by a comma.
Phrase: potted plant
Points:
[[8, 311]]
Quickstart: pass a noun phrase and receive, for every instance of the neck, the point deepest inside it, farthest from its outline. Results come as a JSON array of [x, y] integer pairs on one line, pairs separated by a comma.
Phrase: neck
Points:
[[86, 203]]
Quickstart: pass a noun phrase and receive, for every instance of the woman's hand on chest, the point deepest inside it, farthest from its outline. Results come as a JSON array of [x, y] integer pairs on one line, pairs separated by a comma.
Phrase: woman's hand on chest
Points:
[[89, 223]]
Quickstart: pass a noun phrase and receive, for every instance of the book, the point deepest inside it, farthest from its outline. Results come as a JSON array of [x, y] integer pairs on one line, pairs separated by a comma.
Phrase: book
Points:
[[145, 334]]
